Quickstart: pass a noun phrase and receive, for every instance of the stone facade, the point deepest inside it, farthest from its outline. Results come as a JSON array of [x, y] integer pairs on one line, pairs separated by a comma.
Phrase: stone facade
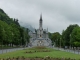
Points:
[[39, 37]]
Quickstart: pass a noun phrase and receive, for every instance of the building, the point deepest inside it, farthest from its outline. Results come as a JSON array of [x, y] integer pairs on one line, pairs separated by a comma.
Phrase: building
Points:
[[40, 37]]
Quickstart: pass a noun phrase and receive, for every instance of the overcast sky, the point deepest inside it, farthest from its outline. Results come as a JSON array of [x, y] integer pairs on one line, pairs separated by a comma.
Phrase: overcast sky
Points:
[[57, 14]]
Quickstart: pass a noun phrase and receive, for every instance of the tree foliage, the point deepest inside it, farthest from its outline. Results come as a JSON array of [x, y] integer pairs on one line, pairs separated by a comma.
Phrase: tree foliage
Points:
[[75, 37], [55, 37], [11, 32], [69, 37], [66, 34]]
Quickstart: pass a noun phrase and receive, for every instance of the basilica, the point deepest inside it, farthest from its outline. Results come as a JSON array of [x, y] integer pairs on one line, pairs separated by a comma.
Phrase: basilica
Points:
[[40, 37]]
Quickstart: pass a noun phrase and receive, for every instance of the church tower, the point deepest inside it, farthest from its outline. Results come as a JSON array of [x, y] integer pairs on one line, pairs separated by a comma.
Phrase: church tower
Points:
[[40, 36], [40, 22], [40, 27]]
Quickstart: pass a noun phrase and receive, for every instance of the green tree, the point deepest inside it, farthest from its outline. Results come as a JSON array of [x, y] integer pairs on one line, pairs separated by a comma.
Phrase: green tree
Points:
[[5, 17], [11, 32], [75, 37], [66, 34], [50, 35], [56, 38]]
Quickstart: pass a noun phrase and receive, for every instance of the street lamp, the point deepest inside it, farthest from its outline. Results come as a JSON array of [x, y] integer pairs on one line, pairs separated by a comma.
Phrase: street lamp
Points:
[[12, 39], [60, 42], [21, 41], [70, 41], [2, 40], [2, 46]]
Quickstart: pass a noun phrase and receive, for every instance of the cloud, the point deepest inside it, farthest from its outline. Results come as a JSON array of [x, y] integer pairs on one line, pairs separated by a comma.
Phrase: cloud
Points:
[[57, 14]]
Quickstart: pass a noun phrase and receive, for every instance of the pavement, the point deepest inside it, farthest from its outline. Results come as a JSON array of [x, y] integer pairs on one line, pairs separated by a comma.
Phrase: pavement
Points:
[[10, 50], [68, 50], [61, 49]]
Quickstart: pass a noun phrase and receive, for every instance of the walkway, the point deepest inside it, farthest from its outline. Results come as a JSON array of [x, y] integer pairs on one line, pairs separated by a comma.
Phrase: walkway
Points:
[[68, 50], [14, 49], [10, 50]]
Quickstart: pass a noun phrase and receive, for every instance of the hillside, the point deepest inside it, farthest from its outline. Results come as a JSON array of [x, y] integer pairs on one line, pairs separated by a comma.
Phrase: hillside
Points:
[[11, 33]]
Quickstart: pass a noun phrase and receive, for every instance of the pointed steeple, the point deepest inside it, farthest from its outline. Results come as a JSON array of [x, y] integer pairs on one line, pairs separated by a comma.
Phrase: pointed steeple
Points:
[[40, 22], [41, 17]]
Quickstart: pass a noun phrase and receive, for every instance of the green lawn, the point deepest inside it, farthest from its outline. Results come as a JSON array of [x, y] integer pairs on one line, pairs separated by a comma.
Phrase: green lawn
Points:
[[52, 53]]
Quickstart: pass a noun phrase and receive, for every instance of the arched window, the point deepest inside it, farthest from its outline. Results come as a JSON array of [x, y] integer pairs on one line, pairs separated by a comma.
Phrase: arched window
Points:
[[40, 35]]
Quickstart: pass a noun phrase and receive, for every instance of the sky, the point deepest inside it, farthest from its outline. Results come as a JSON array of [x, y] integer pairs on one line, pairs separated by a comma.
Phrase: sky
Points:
[[57, 15]]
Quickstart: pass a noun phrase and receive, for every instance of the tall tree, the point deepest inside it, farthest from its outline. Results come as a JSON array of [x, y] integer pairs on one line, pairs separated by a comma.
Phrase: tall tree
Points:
[[11, 32], [75, 37], [56, 38], [66, 34]]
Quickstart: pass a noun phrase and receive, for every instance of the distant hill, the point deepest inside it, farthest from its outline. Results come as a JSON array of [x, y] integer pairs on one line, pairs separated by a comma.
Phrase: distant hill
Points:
[[5, 17], [26, 25], [30, 27], [11, 32]]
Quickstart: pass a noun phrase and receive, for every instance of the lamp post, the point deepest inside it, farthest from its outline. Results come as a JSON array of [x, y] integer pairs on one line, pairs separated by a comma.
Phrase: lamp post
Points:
[[60, 42], [70, 41], [21, 41], [2, 46], [2, 39], [12, 39]]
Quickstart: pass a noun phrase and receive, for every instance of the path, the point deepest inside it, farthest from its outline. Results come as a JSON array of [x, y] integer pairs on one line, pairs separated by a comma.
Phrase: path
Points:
[[67, 50], [9, 50]]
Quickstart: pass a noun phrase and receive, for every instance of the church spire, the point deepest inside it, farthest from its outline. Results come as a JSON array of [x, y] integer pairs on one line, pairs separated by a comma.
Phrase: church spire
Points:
[[40, 22], [41, 17]]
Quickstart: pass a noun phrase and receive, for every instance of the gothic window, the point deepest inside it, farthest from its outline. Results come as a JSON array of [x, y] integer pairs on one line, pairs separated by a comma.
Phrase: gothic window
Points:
[[40, 35]]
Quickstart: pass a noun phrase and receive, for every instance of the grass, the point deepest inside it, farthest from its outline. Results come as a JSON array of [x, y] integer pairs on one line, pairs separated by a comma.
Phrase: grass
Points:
[[52, 53]]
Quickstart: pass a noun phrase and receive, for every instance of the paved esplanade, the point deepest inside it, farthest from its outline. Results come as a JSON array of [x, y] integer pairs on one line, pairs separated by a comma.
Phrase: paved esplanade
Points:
[[15, 49], [68, 50], [9, 50]]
